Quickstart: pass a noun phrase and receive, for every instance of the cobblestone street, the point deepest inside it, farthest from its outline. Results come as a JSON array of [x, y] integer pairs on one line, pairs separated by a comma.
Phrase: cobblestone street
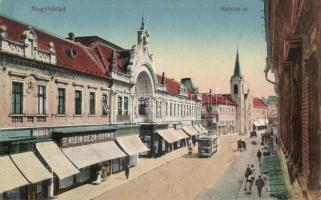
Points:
[[188, 177]]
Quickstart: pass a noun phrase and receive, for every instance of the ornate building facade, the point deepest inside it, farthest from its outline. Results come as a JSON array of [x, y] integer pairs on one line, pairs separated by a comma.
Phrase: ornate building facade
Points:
[[73, 105]]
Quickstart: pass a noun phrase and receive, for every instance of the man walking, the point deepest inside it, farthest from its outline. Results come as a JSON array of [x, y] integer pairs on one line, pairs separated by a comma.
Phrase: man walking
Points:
[[259, 155], [259, 184]]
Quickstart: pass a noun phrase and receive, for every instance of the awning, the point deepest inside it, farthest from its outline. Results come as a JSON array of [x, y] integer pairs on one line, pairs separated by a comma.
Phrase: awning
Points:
[[190, 130], [10, 176], [56, 159], [172, 135], [263, 122], [181, 134], [256, 123], [260, 122], [131, 144], [200, 131], [202, 128], [31, 167], [90, 154]]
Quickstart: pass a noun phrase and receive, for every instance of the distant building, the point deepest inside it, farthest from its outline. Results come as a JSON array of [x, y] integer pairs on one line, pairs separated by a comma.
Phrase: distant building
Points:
[[218, 113], [259, 114]]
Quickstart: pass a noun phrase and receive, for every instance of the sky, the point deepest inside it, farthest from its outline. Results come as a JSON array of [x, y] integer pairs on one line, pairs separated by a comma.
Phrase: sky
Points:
[[189, 38]]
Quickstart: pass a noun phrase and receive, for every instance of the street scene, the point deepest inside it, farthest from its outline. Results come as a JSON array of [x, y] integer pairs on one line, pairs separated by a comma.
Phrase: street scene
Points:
[[162, 100]]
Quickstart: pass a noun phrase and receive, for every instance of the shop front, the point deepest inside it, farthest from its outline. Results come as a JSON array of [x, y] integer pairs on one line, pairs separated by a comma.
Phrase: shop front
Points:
[[192, 132], [89, 148], [153, 141], [35, 172], [173, 139], [58, 164], [13, 184], [133, 146]]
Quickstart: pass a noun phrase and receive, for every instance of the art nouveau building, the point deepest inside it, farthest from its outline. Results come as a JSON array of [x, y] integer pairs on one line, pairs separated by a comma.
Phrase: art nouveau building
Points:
[[70, 105]]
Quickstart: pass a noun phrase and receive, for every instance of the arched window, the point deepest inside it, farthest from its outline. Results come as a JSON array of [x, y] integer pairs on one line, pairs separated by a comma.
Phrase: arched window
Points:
[[235, 89]]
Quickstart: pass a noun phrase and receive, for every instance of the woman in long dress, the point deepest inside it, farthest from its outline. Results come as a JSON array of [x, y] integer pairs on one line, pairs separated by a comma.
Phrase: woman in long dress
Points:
[[99, 174]]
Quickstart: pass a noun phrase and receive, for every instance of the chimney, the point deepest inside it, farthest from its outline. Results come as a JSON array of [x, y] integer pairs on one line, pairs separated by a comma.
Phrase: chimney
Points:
[[163, 79], [71, 36]]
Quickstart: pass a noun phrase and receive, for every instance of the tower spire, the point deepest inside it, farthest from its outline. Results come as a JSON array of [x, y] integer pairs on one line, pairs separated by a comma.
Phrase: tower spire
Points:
[[237, 68], [143, 21]]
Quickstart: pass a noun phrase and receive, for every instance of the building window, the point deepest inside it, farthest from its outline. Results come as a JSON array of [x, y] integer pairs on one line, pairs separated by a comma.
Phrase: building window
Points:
[[126, 105], [166, 108], [78, 99], [170, 109], [105, 108], [41, 99], [120, 105], [235, 89], [61, 100], [142, 106], [182, 110], [160, 108], [92, 103], [17, 98]]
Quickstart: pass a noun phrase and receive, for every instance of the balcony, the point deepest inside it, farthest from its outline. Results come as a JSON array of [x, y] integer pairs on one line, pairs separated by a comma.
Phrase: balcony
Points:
[[20, 118]]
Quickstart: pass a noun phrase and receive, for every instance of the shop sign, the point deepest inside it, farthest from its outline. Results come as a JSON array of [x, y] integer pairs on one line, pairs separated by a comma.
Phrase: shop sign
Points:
[[86, 138]]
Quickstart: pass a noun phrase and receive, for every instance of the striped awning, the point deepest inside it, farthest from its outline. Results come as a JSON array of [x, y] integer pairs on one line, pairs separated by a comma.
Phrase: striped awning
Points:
[[90, 154], [56, 159], [131, 144], [171, 135], [190, 130], [202, 128], [200, 131], [31, 167], [10, 176]]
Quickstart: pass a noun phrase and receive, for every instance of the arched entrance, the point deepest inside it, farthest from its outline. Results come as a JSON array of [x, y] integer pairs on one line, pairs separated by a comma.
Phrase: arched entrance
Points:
[[144, 92]]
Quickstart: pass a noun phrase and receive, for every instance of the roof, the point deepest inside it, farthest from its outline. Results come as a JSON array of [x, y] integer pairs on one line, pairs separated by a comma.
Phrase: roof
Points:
[[216, 99], [257, 102], [237, 68], [104, 50], [172, 86], [187, 82], [86, 60]]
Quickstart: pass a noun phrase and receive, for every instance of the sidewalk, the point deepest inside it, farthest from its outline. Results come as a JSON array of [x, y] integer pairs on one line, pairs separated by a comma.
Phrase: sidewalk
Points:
[[144, 165]]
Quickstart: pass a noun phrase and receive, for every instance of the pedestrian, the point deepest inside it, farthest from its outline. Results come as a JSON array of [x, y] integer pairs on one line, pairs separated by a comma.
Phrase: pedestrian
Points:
[[126, 168], [252, 177], [99, 174], [259, 155], [248, 171], [259, 184]]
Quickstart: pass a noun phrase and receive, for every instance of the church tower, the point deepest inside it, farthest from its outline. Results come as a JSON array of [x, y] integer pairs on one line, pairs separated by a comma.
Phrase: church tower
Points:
[[237, 94]]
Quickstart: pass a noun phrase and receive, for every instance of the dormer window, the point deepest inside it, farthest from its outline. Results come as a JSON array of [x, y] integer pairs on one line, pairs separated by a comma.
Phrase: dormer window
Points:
[[71, 52]]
